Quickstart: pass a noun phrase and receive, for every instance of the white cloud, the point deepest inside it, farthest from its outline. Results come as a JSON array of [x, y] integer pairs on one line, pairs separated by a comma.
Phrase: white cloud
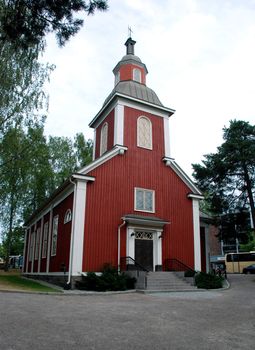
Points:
[[200, 56]]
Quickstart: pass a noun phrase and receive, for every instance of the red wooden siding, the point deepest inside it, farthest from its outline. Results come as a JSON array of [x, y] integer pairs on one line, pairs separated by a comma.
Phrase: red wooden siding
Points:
[[44, 260], [112, 196], [110, 139], [126, 72], [64, 236], [36, 260], [63, 240]]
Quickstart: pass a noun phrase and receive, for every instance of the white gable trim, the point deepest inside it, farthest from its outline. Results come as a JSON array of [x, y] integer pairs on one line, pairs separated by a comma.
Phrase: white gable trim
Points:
[[104, 158], [129, 102], [146, 107], [175, 167]]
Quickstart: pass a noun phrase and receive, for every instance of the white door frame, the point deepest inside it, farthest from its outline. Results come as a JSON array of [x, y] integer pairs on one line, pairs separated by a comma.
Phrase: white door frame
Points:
[[157, 243]]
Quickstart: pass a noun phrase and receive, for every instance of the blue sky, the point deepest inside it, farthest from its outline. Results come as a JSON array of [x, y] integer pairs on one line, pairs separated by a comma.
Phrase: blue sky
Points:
[[200, 55]]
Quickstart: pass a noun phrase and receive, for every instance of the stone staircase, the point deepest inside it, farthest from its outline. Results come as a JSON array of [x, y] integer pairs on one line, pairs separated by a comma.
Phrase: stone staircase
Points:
[[167, 281]]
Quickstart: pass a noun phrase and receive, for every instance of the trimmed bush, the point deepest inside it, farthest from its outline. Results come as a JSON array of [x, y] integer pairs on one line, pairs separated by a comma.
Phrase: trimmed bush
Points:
[[189, 273], [208, 281], [110, 280]]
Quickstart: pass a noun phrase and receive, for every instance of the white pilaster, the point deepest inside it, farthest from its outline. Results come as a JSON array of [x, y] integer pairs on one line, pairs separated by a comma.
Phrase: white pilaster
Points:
[[167, 137], [78, 228], [49, 241], [40, 245], [157, 249], [196, 230], [119, 124], [130, 242], [94, 144], [28, 248]]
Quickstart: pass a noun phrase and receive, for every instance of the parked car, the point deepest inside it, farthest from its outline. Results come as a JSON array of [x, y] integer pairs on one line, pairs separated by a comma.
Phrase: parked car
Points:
[[249, 269]]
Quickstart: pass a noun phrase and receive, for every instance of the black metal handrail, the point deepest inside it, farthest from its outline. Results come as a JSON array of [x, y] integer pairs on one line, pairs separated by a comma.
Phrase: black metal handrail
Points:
[[176, 265], [128, 263]]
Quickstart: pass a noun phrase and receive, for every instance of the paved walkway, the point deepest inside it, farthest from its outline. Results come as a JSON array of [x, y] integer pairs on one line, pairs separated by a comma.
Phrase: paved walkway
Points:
[[195, 320]]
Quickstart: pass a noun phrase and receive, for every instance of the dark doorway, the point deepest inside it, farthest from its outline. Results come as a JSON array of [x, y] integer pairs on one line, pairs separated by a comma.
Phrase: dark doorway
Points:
[[144, 253]]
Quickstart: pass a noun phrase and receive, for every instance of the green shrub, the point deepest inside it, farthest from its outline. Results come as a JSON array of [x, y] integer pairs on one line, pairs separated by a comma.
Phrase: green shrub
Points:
[[110, 280], [208, 281], [189, 273]]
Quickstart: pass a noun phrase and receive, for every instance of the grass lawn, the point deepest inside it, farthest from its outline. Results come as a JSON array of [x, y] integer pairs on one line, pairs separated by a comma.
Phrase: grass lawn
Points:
[[14, 281]]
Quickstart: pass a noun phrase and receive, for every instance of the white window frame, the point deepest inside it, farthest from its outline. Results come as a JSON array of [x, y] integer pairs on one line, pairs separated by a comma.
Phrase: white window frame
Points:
[[68, 216], [137, 75], [54, 238], [37, 243], [45, 239], [153, 200], [139, 143], [104, 138]]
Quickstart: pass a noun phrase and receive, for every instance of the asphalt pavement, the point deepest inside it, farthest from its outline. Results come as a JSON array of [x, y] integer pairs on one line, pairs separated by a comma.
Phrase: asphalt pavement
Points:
[[222, 320]]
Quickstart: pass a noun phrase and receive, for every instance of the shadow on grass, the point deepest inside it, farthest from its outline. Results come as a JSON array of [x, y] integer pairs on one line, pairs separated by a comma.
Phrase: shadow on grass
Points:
[[10, 281]]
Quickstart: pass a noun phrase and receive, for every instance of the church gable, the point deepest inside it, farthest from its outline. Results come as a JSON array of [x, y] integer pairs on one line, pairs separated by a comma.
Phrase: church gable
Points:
[[133, 201]]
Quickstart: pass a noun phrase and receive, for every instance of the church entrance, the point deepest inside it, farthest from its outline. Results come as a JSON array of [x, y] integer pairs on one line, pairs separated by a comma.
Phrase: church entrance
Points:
[[144, 249]]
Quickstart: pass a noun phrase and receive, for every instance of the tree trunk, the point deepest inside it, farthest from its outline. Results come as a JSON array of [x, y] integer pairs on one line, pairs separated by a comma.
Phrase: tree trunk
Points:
[[9, 235]]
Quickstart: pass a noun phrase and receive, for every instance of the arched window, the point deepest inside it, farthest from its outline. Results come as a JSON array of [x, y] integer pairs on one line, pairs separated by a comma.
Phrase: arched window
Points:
[[137, 75], [68, 216], [144, 133], [104, 137]]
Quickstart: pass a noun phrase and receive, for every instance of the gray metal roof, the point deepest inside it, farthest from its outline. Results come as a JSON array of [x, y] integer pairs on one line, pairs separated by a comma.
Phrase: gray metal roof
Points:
[[135, 90], [130, 59], [145, 220]]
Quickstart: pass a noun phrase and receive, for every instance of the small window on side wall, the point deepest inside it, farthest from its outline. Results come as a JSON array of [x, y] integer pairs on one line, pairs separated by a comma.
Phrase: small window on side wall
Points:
[[104, 139], [137, 75], [45, 239], [144, 133], [68, 216], [144, 200]]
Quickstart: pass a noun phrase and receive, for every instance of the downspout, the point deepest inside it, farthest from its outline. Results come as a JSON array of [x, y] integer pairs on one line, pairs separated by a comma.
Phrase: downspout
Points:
[[119, 227], [72, 233]]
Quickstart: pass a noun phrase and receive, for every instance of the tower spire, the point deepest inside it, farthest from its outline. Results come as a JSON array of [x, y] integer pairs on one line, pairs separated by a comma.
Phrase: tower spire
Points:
[[130, 43]]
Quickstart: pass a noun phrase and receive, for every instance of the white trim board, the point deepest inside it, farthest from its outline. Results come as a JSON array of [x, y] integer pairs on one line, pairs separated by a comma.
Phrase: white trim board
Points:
[[176, 168]]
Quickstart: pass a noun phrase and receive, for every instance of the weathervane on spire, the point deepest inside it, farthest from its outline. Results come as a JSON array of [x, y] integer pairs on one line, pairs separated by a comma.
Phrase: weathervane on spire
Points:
[[130, 31]]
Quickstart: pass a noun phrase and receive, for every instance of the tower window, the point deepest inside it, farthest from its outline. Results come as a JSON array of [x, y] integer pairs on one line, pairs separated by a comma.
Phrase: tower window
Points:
[[137, 75], [144, 133], [103, 140]]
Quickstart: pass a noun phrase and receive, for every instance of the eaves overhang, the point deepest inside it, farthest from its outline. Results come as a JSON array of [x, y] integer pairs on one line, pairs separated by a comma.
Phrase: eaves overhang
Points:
[[66, 187], [148, 221], [117, 95]]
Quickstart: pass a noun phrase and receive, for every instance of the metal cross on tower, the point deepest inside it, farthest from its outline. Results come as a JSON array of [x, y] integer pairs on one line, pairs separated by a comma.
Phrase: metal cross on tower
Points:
[[130, 31]]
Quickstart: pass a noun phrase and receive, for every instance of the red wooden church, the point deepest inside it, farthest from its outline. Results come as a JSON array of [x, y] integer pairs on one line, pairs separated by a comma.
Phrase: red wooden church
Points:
[[133, 203]]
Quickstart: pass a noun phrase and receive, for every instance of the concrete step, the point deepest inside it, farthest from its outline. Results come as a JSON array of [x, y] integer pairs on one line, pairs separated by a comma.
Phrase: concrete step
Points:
[[167, 281]]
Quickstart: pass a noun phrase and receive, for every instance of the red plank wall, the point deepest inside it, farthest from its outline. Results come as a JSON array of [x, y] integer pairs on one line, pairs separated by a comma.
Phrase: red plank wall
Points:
[[43, 260], [112, 196], [126, 72], [64, 235], [110, 120]]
